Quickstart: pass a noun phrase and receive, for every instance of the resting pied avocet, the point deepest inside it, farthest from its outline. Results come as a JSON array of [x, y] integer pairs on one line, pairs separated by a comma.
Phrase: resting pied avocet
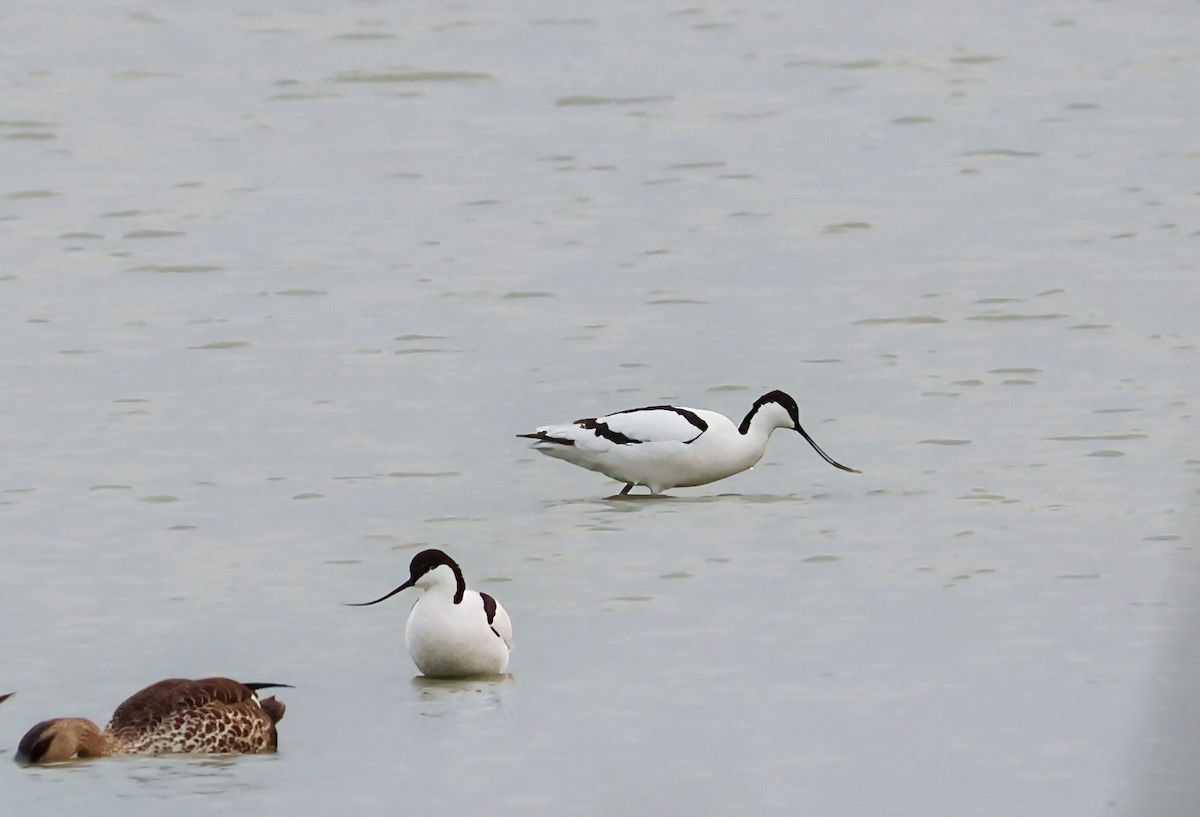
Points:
[[452, 632]]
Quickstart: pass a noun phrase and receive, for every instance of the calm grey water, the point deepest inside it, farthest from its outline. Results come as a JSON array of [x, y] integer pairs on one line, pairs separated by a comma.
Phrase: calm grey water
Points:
[[280, 284]]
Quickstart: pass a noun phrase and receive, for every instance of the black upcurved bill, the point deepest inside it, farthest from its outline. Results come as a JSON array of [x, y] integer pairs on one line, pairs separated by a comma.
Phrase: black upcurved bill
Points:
[[404, 586], [825, 456]]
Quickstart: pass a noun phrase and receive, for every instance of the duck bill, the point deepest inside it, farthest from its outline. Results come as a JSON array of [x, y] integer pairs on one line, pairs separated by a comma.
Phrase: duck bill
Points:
[[404, 586], [824, 456]]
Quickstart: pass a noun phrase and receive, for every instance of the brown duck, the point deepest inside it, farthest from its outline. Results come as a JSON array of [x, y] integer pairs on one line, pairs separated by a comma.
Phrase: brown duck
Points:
[[208, 716]]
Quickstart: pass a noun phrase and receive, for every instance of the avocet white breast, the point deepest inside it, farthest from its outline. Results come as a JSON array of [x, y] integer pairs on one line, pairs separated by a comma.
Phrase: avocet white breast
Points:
[[452, 632], [665, 447]]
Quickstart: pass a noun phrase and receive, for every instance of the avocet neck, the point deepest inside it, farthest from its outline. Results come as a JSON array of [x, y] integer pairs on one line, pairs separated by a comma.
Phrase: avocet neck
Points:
[[444, 581], [764, 419]]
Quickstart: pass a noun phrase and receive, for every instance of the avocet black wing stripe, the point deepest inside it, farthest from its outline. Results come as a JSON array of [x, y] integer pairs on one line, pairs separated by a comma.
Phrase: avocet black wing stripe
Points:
[[657, 424], [601, 429], [686, 414], [489, 609]]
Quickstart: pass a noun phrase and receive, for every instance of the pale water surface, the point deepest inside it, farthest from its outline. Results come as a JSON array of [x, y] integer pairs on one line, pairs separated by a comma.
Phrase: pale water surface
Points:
[[280, 283]]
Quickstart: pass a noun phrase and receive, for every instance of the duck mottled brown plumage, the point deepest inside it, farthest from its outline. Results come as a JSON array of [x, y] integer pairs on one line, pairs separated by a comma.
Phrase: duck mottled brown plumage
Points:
[[208, 716]]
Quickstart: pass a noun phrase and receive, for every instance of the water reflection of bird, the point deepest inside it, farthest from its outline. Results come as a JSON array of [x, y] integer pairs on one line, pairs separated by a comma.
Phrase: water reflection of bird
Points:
[[209, 716], [452, 632], [665, 447]]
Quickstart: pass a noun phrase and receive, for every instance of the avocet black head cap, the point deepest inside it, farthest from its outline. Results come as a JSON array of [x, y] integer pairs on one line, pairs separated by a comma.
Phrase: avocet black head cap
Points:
[[788, 403], [428, 560], [783, 399], [779, 398], [421, 564]]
